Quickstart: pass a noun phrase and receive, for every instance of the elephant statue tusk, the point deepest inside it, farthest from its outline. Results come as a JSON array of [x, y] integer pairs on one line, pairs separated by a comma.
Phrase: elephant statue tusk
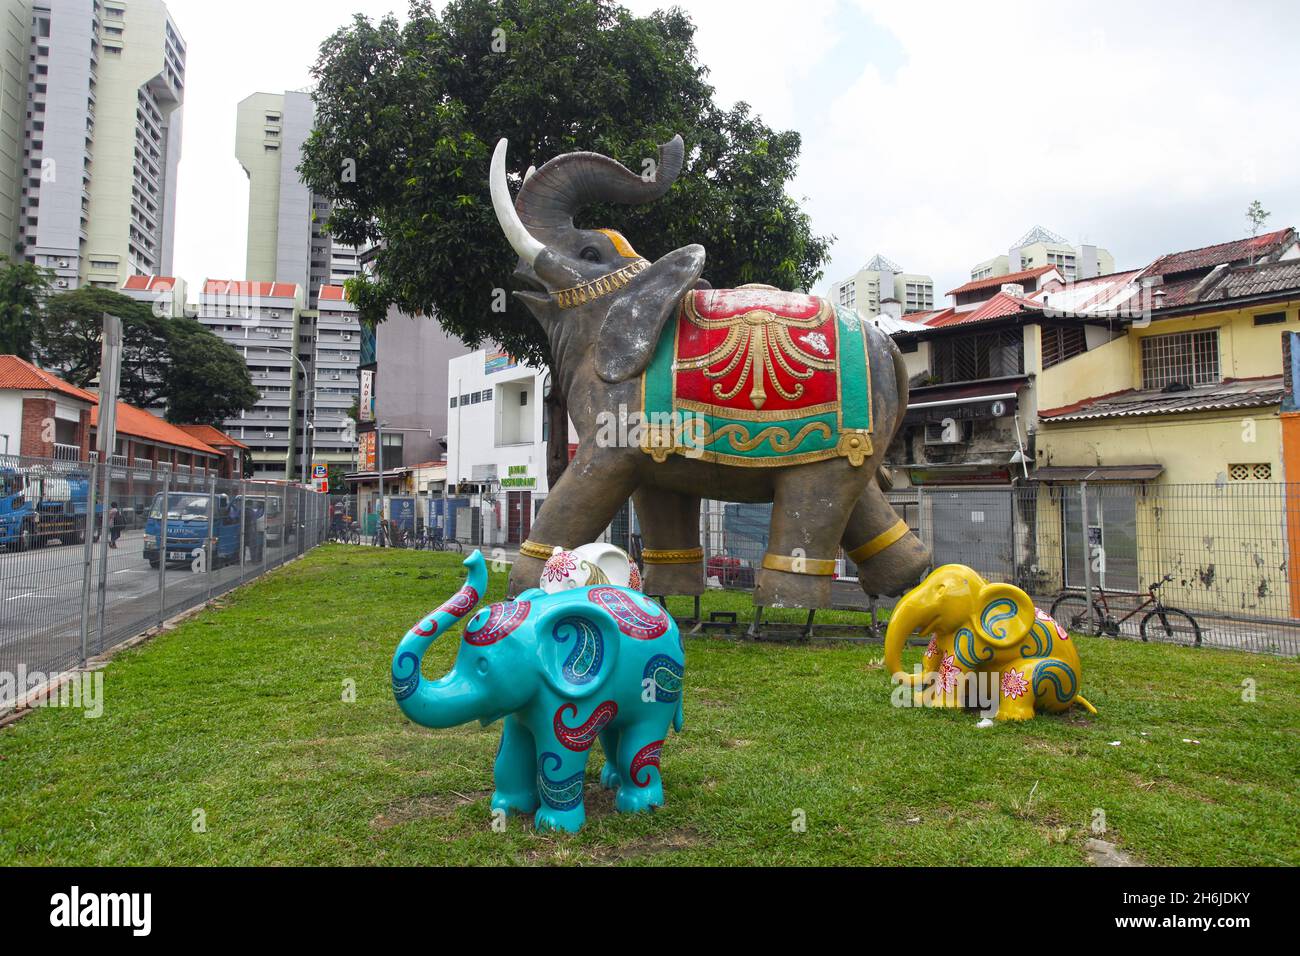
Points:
[[521, 240]]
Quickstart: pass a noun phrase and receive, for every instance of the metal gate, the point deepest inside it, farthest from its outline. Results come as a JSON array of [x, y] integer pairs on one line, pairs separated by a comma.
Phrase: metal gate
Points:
[[974, 527]]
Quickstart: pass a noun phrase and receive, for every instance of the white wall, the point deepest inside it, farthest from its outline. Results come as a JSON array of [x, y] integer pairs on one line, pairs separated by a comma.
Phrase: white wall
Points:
[[475, 433]]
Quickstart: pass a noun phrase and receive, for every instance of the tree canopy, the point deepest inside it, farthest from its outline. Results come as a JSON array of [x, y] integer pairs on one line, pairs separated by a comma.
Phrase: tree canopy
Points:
[[22, 287], [407, 117], [173, 360]]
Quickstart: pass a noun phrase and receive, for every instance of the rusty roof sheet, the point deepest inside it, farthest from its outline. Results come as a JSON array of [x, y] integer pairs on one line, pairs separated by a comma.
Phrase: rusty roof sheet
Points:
[[1207, 257], [1258, 280], [1235, 393]]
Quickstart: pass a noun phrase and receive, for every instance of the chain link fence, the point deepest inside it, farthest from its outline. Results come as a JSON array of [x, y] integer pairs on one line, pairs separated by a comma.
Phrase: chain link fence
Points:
[[175, 540], [1220, 552]]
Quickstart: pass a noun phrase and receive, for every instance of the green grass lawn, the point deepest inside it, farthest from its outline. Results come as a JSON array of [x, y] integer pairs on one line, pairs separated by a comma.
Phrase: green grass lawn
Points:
[[239, 712]]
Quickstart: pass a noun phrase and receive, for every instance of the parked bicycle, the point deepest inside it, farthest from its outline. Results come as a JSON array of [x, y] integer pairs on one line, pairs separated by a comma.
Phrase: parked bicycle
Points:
[[1161, 622], [432, 539]]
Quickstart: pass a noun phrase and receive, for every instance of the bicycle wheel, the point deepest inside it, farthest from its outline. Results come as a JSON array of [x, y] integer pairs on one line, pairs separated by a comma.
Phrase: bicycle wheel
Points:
[[1171, 624], [454, 545], [1071, 612]]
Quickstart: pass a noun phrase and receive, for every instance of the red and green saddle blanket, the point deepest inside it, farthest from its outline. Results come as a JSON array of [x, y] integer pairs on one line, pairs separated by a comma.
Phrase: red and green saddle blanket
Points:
[[760, 378]]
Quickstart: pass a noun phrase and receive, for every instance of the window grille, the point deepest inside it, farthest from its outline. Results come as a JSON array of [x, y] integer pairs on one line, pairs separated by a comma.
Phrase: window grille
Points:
[[969, 358], [1062, 343], [1186, 358]]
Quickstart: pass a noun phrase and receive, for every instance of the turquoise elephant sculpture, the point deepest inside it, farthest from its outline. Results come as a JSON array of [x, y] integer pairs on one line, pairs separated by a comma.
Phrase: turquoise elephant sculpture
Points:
[[561, 670]]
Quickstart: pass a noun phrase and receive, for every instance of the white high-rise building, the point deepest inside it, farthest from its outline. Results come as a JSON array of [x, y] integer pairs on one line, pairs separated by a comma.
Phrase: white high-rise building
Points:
[[879, 281], [286, 237], [101, 138], [1041, 247], [262, 320]]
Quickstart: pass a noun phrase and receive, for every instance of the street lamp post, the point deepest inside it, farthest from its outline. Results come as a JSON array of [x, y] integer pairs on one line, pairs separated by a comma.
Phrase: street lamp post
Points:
[[311, 396]]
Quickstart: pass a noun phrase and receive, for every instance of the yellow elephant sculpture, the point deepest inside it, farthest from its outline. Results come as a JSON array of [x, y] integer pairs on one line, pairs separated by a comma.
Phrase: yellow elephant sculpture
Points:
[[984, 628]]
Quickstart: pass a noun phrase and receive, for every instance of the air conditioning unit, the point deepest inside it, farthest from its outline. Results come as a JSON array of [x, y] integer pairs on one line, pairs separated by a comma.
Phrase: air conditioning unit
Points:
[[275, 333], [270, 434], [347, 336], [63, 263], [947, 432], [335, 376], [62, 283]]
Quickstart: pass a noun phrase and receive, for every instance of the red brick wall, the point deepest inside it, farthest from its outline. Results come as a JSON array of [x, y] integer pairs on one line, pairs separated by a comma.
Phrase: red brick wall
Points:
[[38, 423]]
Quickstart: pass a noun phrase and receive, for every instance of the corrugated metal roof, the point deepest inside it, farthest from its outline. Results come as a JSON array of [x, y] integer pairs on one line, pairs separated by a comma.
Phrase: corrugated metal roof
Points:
[[998, 281], [1258, 280], [1238, 393], [1207, 257]]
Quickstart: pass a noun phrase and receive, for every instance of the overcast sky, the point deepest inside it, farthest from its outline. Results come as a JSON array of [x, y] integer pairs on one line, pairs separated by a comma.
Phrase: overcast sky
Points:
[[934, 133]]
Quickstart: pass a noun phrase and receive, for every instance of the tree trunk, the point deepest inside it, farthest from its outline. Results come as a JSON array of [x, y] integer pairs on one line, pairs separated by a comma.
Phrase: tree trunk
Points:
[[557, 429]]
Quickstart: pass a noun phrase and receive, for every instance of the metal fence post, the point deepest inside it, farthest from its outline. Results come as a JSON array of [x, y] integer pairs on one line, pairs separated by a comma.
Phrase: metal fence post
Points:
[[162, 548], [284, 523], [1087, 550], [213, 549], [89, 557], [243, 525]]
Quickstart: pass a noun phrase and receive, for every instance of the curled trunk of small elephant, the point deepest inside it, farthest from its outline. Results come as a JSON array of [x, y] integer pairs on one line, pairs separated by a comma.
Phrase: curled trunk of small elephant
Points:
[[451, 700]]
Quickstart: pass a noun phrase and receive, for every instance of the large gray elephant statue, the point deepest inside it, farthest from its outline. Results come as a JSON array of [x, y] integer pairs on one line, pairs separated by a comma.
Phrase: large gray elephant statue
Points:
[[745, 395]]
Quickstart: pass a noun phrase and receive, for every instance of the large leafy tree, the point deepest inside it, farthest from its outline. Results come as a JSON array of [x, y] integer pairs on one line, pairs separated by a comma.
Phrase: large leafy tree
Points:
[[407, 116], [173, 360], [22, 287]]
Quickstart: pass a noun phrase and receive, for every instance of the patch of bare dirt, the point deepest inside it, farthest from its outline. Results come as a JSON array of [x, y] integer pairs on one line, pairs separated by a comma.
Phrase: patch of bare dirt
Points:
[[429, 805]]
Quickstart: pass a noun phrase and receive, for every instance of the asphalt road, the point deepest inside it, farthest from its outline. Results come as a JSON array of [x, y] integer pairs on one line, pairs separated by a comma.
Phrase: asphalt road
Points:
[[41, 590]]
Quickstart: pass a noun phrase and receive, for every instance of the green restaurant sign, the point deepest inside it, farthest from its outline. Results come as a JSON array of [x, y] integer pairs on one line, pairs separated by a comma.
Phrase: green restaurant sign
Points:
[[517, 476]]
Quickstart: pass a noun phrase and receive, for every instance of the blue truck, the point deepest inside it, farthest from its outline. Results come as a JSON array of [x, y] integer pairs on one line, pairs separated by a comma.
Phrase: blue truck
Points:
[[40, 507], [187, 528]]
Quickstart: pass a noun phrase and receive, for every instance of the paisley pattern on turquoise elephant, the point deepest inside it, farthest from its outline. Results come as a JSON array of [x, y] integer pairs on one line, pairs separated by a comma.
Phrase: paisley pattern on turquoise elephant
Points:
[[560, 671], [979, 626]]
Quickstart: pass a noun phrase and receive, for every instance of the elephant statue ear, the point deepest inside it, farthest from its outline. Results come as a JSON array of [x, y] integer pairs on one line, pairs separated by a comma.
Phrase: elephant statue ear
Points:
[[1004, 614], [632, 325], [578, 647]]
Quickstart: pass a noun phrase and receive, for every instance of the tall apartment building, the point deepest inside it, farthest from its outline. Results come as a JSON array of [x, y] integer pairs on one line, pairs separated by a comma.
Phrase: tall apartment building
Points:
[[286, 238], [15, 39], [101, 137], [1041, 247], [336, 364], [262, 321], [880, 280]]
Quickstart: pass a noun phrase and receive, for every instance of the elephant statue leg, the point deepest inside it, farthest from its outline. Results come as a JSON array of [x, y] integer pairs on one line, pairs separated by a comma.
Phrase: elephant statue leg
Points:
[[560, 773], [809, 512], [609, 778], [890, 558], [640, 786], [578, 509], [674, 560], [515, 771]]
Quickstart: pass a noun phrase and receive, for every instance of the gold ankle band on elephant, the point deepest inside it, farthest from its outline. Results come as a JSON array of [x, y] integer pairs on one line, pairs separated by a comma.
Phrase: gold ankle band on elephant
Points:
[[531, 549], [672, 556], [818, 567], [879, 543]]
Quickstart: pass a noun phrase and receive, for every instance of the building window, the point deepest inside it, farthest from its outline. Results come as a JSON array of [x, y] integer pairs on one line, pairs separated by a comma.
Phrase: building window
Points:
[[1270, 318], [453, 401], [1062, 343], [968, 358], [1181, 358]]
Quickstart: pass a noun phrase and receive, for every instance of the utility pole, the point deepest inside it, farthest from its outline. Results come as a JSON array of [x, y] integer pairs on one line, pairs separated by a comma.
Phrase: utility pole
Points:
[[110, 372]]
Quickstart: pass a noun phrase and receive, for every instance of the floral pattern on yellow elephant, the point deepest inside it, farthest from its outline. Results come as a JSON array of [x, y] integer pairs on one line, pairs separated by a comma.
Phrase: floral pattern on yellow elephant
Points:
[[976, 627]]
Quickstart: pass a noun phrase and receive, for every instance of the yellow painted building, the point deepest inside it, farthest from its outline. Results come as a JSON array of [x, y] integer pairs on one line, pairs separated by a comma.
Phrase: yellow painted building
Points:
[[1194, 398]]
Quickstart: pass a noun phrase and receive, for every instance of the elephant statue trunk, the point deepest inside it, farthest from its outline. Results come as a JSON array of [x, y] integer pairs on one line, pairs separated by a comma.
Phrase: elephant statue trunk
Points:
[[451, 700], [908, 615]]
